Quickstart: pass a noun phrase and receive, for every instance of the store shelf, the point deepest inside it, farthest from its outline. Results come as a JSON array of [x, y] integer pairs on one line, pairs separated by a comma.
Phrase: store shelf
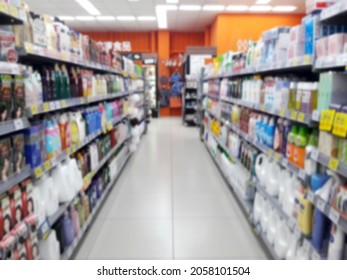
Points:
[[9, 15], [280, 159], [329, 162], [11, 68], [328, 210], [68, 252], [88, 178], [37, 53], [331, 62], [291, 223], [335, 13], [298, 64], [52, 163], [15, 179], [53, 106], [13, 126], [293, 115]]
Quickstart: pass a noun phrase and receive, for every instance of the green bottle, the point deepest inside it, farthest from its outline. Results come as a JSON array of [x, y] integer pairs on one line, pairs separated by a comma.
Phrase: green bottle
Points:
[[57, 79]]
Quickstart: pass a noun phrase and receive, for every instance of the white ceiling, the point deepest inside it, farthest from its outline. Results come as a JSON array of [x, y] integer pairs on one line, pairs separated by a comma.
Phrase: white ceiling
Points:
[[177, 20]]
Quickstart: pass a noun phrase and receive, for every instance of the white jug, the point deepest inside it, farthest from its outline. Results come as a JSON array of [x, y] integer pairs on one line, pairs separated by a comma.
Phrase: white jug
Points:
[[261, 168], [284, 181], [274, 221], [49, 248], [289, 196], [292, 248], [266, 210], [49, 194], [273, 178], [39, 205], [62, 180], [257, 209], [77, 174], [282, 240]]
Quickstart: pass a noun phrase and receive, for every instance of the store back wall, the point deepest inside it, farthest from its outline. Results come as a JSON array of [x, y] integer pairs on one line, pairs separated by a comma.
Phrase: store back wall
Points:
[[227, 29]]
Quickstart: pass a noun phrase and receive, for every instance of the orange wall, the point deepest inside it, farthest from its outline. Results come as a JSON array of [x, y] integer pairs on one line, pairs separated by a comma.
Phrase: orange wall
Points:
[[227, 29], [180, 40], [140, 41]]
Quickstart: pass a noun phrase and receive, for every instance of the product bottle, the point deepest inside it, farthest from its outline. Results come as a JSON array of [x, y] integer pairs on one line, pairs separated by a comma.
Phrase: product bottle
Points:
[[292, 96], [300, 144], [65, 86], [271, 133], [310, 164], [287, 126], [336, 243], [298, 98], [57, 79], [264, 130], [277, 145], [290, 143], [305, 215]]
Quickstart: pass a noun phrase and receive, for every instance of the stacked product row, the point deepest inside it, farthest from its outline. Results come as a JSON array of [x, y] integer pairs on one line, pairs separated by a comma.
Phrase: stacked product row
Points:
[[48, 138], [36, 202]]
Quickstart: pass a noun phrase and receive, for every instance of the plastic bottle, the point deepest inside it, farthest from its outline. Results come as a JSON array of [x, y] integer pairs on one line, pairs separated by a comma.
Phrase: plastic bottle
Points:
[[300, 144], [264, 130], [287, 126], [57, 79], [298, 98], [65, 85], [336, 243], [310, 164], [277, 145], [270, 133], [290, 143], [49, 133], [292, 95]]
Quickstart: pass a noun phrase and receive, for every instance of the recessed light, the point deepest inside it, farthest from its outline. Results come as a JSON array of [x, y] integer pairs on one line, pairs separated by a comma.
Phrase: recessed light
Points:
[[260, 8], [146, 18], [85, 18], [190, 8], [284, 8], [237, 8], [106, 18], [214, 8], [262, 2], [126, 18], [89, 7], [161, 12], [66, 18]]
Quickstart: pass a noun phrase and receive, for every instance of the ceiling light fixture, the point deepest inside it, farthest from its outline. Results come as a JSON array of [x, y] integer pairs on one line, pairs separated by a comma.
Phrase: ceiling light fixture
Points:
[[260, 8], [190, 8], [262, 2], [161, 12], [217, 8], [126, 18], [146, 18], [106, 18], [89, 7], [85, 18], [66, 18], [237, 8], [284, 8], [172, 1]]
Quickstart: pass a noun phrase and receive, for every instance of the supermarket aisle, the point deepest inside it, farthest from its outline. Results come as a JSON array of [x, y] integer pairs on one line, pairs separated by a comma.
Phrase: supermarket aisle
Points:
[[171, 203]]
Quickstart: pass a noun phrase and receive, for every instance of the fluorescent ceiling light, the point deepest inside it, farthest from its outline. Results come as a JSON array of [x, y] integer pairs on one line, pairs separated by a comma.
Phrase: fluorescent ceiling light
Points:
[[161, 12], [213, 8], [146, 18], [284, 8], [260, 8], [190, 8], [106, 18], [66, 18], [126, 18], [237, 8], [172, 1], [89, 7], [85, 18], [262, 2]]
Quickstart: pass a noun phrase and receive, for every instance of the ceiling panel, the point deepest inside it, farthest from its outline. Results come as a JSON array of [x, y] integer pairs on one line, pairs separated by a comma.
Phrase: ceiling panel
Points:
[[178, 20]]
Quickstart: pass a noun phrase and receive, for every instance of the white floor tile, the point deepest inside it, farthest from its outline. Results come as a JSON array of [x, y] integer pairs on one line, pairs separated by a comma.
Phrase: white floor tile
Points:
[[214, 239], [134, 239], [205, 205], [139, 205]]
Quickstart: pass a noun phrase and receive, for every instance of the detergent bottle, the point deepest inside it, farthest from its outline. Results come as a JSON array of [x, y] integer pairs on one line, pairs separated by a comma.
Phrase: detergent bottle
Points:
[[321, 223], [57, 82], [270, 133], [305, 215], [49, 137], [310, 164], [336, 243], [277, 145], [290, 143], [300, 143], [265, 124]]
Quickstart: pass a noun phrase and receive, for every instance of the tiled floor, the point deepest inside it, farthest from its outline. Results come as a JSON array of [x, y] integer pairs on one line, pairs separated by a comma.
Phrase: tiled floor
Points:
[[170, 203]]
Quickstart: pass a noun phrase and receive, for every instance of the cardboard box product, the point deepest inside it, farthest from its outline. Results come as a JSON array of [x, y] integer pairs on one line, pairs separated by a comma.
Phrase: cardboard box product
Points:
[[6, 162], [18, 152], [18, 97], [5, 98]]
